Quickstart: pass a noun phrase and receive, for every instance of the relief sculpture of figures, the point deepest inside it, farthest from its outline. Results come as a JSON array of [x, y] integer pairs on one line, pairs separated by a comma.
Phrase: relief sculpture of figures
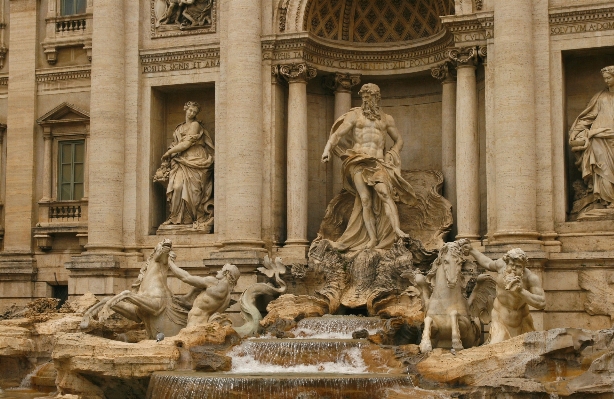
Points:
[[188, 14], [372, 175], [517, 288], [187, 171], [592, 140]]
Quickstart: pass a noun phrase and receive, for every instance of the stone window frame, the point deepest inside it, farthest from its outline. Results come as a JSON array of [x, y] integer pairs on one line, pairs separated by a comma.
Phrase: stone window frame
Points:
[[67, 216], [73, 30]]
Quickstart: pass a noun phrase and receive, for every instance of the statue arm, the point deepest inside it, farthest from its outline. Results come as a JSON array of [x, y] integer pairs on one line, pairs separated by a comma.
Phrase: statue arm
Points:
[[188, 141], [535, 295], [586, 118], [348, 125], [194, 281], [485, 261], [393, 132]]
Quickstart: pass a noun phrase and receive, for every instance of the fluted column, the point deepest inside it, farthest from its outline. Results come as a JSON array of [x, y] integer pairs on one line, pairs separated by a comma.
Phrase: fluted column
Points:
[[297, 163], [515, 121], [47, 192], [341, 84], [244, 170], [467, 144], [106, 168]]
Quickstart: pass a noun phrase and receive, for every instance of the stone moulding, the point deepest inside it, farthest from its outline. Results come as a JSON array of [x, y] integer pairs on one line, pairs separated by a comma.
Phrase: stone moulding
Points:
[[156, 33], [474, 28], [49, 76], [581, 20], [180, 60], [325, 55]]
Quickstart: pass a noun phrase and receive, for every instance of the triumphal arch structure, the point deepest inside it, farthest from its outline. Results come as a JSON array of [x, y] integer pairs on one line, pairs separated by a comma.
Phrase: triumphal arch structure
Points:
[[125, 122]]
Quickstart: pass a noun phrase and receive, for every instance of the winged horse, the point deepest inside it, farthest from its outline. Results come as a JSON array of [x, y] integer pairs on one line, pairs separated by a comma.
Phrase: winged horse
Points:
[[452, 320]]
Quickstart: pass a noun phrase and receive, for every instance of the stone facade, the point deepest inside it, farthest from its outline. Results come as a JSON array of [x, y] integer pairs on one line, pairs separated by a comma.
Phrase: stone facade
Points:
[[483, 91]]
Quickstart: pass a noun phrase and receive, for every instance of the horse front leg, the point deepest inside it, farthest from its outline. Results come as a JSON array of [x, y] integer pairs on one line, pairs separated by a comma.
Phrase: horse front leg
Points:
[[456, 336], [151, 306], [425, 343], [93, 311]]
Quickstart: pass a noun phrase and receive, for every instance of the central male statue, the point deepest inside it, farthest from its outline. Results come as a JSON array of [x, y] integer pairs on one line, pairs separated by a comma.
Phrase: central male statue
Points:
[[372, 174]]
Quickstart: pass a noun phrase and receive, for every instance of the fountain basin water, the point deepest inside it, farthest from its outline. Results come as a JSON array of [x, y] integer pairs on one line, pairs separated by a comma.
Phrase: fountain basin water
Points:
[[335, 327], [193, 385]]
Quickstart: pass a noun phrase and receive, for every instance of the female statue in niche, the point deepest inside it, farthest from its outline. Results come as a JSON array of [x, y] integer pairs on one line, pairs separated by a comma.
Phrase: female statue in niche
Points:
[[187, 168], [592, 140]]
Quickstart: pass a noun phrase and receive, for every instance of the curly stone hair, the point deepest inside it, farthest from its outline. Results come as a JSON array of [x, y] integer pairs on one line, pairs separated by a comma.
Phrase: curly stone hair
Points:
[[192, 104]]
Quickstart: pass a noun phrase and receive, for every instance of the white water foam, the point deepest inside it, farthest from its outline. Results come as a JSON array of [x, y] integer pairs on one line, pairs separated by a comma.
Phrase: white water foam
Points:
[[351, 363], [303, 332]]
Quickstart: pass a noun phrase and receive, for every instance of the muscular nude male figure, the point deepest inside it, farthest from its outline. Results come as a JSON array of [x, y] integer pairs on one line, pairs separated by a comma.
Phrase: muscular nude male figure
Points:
[[517, 288], [368, 172], [215, 294]]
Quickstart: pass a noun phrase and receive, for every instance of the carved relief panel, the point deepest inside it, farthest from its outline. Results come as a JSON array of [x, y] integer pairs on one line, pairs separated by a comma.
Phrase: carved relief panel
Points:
[[182, 17]]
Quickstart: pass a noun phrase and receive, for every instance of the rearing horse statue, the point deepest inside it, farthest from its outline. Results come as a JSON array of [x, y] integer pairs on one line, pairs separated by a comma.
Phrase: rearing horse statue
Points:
[[451, 319], [151, 301]]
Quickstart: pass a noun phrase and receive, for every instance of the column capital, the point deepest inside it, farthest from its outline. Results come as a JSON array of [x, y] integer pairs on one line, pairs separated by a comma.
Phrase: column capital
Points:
[[341, 81], [294, 73], [445, 72], [463, 56], [483, 54]]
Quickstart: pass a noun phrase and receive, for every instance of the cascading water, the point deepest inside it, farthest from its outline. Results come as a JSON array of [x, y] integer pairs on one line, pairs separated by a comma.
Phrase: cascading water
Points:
[[174, 385], [335, 327]]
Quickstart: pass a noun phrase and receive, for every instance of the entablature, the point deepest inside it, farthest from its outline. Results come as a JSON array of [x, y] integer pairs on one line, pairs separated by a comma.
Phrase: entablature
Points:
[[366, 59]]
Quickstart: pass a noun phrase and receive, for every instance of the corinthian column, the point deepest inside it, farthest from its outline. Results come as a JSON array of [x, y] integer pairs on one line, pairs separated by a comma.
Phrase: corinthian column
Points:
[[243, 173], [467, 144], [341, 84], [514, 123], [446, 74], [297, 164], [106, 164]]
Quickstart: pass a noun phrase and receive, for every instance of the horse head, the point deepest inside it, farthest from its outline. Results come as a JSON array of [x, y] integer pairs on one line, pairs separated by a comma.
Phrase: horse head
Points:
[[450, 259]]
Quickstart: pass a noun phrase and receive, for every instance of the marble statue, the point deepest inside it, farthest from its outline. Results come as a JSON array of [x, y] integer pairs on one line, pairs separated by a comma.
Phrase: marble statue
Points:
[[449, 316], [371, 174], [187, 171], [592, 140], [249, 310], [188, 14], [211, 295], [517, 288], [150, 301]]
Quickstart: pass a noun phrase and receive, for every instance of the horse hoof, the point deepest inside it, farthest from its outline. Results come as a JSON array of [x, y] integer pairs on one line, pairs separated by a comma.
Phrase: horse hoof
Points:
[[457, 345], [426, 347]]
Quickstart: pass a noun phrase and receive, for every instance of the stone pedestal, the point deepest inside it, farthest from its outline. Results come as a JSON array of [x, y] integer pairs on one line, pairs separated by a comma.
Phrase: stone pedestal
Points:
[[297, 154]]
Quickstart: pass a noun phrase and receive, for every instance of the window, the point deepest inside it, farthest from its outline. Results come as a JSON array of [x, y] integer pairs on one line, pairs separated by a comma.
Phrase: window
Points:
[[71, 7], [70, 170]]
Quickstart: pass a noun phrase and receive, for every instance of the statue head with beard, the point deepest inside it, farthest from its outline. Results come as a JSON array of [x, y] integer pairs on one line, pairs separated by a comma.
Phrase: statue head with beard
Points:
[[370, 101], [515, 260]]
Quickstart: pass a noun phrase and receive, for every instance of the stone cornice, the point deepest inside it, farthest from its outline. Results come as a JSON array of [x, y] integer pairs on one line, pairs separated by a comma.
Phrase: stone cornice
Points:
[[570, 20], [470, 29], [171, 60], [335, 57], [53, 75]]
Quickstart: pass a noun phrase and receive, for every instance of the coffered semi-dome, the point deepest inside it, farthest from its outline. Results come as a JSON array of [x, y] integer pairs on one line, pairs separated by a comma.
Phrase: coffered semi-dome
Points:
[[376, 21]]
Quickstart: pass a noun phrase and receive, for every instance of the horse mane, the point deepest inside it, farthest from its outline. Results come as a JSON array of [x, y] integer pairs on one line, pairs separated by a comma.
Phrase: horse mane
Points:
[[137, 284], [454, 247]]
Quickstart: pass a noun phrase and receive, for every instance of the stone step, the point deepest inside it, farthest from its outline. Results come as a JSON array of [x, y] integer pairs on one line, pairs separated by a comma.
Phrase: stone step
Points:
[[194, 385]]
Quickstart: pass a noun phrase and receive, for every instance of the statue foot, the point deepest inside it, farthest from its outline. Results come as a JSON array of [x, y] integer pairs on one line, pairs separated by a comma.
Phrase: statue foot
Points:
[[401, 234], [371, 244], [85, 323], [425, 346]]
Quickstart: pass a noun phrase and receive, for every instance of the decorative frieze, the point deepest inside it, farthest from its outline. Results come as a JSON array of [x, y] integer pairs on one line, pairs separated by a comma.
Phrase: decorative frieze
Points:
[[471, 28], [50, 76], [581, 21], [169, 19], [180, 60], [330, 58]]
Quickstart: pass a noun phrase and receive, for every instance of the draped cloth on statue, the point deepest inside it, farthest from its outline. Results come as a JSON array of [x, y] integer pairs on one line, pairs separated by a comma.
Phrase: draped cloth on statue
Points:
[[190, 185], [373, 171], [595, 126]]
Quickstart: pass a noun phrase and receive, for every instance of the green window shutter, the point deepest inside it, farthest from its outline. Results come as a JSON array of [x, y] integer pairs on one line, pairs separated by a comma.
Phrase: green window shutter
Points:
[[71, 174]]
